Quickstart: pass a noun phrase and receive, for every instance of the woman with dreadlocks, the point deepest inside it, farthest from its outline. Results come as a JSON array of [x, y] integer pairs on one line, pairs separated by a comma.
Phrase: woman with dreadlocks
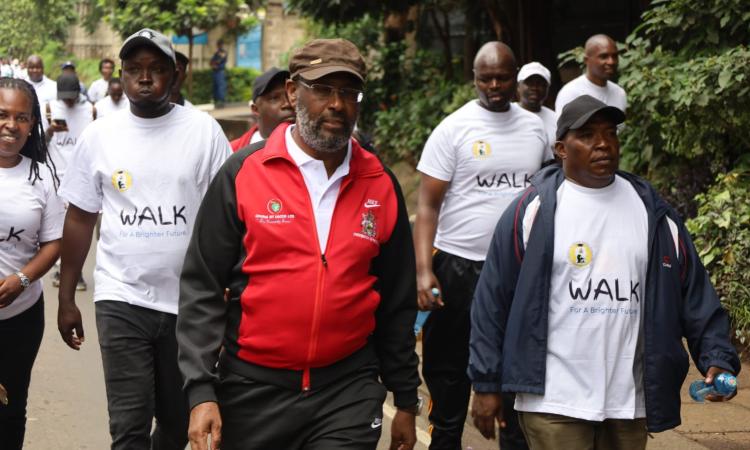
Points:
[[30, 230]]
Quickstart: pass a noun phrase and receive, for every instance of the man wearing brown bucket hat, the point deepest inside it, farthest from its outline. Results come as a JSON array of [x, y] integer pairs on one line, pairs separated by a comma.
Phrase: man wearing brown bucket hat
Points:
[[310, 234]]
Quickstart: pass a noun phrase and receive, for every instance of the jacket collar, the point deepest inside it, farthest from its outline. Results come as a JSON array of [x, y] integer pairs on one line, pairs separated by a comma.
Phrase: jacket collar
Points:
[[548, 179], [362, 164]]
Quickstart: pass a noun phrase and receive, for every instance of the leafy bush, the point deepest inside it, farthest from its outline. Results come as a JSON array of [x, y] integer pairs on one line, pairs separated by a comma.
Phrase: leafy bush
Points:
[[239, 85], [401, 131], [722, 237]]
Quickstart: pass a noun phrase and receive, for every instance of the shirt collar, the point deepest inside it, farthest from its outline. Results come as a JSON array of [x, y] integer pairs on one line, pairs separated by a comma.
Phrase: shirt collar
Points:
[[301, 158]]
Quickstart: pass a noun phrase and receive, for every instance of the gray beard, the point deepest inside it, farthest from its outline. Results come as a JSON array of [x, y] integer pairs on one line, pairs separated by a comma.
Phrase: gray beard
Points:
[[310, 132]]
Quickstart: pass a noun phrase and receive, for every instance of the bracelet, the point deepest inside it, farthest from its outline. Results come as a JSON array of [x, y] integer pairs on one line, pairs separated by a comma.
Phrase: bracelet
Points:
[[25, 281]]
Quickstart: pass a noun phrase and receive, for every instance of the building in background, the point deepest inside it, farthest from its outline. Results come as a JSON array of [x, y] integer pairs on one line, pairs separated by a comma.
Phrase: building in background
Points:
[[262, 47]]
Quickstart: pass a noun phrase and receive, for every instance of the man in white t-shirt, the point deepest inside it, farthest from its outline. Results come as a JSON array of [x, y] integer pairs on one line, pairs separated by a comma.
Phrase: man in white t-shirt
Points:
[[533, 87], [473, 164], [69, 115], [601, 60], [146, 169], [98, 89], [46, 89], [114, 101], [590, 284]]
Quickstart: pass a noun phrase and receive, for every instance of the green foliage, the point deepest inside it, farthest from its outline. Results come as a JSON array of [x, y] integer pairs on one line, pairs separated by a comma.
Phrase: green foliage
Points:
[[402, 130], [722, 237], [239, 85], [179, 16], [27, 25], [686, 108], [338, 11], [691, 27]]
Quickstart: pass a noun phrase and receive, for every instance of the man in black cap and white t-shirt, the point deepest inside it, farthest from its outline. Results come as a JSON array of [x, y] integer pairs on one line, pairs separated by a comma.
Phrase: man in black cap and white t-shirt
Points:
[[590, 285], [147, 169]]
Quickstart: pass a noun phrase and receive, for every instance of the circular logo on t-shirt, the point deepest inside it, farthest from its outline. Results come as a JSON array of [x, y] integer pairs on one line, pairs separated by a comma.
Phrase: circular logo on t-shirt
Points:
[[481, 149], [580, 254], [122, 180], [274, 206]]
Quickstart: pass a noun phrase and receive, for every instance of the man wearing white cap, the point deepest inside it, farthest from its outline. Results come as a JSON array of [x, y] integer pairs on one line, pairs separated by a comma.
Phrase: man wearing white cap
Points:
[[533, 87]]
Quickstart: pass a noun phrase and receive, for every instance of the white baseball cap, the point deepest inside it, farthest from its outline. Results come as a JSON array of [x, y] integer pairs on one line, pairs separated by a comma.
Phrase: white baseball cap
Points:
[[534, 68]]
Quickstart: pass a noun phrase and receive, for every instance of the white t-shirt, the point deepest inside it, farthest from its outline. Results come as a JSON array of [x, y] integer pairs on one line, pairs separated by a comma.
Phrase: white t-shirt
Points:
[[594, 361], [106, 106], [323, 190], [46, 90], [63, 143], [98, 90], [611, 94], [488, 158], [550, 125], [256, 137], [148, 176], [32, 214]]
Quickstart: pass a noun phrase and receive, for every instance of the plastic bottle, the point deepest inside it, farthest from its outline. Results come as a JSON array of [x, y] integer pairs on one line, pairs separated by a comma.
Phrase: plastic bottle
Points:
[[423, 315], [724, 385]]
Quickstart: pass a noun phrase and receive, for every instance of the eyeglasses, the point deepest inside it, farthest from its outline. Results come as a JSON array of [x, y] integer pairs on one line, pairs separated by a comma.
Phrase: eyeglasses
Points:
[[325, 92]]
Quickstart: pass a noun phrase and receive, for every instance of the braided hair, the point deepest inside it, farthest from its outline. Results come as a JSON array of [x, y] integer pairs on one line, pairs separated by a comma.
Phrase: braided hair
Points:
[[35, 147]]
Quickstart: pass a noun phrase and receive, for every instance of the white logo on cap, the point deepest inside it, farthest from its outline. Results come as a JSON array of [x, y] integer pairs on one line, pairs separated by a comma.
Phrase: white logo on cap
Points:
[[147, 34]]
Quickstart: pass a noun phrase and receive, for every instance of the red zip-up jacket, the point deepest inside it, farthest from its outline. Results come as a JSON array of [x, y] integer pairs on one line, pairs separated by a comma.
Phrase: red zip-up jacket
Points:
[[244, 140], [296, 317]]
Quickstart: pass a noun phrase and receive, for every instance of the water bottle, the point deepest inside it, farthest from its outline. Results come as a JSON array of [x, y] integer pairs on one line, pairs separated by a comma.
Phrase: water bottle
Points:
[[724, 385], [421, 318], [423, 315]]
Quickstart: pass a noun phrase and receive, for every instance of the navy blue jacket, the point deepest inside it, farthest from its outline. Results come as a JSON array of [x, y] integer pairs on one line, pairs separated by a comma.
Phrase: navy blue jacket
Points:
[[510, 309]]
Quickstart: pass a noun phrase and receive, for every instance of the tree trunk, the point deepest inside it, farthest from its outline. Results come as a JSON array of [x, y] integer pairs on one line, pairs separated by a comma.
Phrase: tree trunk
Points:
[[190, 65], [444, 31], [492, 9]]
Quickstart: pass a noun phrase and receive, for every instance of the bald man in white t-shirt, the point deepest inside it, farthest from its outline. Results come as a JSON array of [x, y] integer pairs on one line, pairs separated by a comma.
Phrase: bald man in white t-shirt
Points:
[[472, 166], [601, 59]]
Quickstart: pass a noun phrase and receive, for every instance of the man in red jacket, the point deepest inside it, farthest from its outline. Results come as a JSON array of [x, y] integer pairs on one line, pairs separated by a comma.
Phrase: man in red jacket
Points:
[[270, 105], [311, 235]]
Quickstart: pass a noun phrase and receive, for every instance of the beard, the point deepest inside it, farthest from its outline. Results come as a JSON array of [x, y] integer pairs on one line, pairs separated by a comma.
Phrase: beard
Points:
[[311, 131]]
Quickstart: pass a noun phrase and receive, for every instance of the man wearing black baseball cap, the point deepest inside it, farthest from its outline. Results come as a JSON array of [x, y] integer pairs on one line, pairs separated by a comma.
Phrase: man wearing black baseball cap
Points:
[[589, 287], [146, 169], [311, 234], [270, 106]]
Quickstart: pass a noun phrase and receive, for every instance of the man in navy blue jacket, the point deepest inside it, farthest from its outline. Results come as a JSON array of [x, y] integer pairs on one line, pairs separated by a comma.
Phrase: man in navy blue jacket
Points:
[[589, 286]]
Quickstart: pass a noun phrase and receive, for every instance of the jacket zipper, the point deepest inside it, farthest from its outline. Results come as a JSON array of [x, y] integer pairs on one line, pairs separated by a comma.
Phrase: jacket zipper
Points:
[[322, 266]]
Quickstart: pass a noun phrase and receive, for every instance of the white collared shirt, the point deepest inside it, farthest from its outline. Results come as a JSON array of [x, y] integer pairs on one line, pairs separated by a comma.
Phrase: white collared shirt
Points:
[[323, 190]]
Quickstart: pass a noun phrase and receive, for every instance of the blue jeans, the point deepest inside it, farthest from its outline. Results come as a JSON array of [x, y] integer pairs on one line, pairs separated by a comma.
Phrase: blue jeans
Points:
[[139, 354]]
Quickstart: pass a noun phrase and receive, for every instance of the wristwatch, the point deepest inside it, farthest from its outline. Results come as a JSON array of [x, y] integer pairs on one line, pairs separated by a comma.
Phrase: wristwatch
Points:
[[416, 408], [25, 281]]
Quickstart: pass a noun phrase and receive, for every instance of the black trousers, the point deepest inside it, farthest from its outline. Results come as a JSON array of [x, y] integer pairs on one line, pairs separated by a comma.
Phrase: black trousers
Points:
[[445, 357], [139, 354], [346, 414], [20, 338]]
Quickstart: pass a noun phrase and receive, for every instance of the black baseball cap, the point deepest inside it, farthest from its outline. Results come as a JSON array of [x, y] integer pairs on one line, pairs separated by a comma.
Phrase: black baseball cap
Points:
[[264, 80], [576, 113], [67, 64], [148, 38], [68, 86], [182, 58]]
